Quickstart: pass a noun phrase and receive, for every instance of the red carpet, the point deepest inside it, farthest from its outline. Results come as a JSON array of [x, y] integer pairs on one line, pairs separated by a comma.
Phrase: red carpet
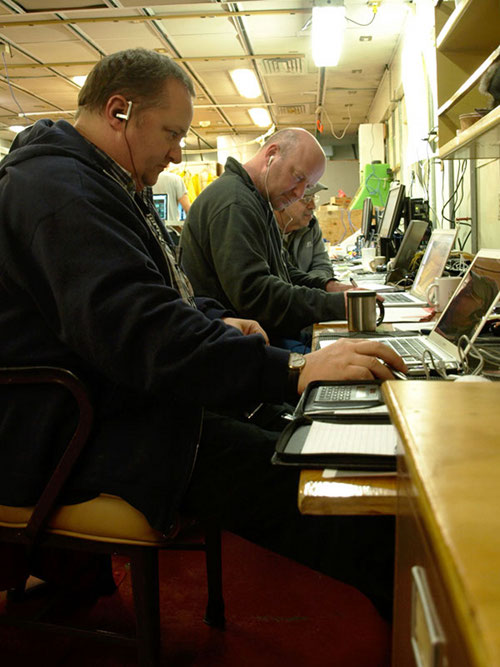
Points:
[[278, 613]]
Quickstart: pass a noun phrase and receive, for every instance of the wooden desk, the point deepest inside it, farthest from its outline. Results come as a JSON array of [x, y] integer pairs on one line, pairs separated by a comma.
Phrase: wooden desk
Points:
[[448, 520]]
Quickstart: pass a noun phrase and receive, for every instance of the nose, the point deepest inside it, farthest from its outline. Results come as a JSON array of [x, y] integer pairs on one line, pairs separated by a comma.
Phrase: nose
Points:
[[175, 154], [298, 190]]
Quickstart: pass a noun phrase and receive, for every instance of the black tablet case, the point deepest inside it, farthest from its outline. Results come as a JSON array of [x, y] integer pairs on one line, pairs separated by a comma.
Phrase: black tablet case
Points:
[[291, 441]]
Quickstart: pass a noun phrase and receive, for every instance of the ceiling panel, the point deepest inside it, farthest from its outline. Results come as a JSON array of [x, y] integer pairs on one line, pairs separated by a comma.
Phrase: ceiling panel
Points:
[[291, 97]]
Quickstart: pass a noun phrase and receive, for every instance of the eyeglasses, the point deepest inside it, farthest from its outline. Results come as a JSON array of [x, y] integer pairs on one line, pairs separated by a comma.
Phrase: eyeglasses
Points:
[[308, 199]]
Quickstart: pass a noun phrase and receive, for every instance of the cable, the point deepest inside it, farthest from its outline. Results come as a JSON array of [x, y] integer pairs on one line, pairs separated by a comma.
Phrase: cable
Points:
[[437, 365], [374, 7], [10, 87], [323, 110]]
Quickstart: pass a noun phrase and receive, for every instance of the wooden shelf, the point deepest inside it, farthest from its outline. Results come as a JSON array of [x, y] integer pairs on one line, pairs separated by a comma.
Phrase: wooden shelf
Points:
[[467, 44], [483, 138], [472, 81], [473, 23]]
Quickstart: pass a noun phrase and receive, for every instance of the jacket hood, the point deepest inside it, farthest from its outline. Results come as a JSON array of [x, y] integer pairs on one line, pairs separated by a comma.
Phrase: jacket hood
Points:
[[48, 138]]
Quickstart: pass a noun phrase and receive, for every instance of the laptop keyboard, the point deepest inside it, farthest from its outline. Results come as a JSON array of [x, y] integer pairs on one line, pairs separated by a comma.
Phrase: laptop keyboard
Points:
[[410, 350], [397, 298]]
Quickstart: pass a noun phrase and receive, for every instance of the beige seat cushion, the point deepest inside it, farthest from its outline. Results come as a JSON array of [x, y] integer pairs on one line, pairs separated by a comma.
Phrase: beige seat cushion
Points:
[[104, 519]]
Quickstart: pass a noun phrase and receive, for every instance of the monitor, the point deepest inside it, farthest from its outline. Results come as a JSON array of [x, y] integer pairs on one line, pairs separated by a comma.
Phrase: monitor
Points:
[[161, 205], [392, 212], [366, 218]]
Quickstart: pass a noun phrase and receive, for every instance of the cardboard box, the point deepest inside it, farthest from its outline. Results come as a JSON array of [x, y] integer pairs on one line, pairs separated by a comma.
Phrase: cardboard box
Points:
[[337, 223], [344, 202]]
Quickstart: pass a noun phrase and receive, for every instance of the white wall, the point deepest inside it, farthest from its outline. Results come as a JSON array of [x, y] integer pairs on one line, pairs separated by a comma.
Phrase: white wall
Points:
[[339, 174], [407, 95]]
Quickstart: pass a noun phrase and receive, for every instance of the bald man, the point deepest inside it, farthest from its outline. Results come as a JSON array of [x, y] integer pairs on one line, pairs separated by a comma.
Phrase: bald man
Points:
[[232, 245]]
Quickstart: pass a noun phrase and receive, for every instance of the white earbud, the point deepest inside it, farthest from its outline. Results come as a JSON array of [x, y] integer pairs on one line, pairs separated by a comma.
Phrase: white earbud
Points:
[[125, 116], [270, 160]]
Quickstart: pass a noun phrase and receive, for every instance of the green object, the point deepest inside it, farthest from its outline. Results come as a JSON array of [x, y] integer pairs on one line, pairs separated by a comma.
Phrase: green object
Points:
[[377, 180]]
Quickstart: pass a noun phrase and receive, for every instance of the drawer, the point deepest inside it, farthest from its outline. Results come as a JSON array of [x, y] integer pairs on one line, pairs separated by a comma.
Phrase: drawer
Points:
[[424, 608]]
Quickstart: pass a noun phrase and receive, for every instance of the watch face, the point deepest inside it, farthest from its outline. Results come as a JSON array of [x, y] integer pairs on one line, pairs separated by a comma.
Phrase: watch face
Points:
[[296, 361]]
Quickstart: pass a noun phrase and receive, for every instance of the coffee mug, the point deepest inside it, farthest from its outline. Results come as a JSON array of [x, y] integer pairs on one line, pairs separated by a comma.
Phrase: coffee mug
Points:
[[362, 310], [440, 291], [378, 260], [367, 254]]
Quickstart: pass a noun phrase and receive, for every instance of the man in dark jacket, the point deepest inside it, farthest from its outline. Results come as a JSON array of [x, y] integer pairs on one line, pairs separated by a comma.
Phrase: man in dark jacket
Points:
[[88, 281], [232, 246]]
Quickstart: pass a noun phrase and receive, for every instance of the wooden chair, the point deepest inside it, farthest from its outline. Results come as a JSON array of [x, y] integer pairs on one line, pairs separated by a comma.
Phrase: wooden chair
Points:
[[104, 525]]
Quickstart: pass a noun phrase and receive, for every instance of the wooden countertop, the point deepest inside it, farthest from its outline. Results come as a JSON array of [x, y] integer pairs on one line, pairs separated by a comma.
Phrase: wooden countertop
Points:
[[451, 437]]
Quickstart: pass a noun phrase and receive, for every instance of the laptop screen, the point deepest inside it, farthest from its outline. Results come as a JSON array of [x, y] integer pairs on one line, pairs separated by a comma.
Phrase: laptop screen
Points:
[[161, 205], [474, 298], [433, 262], [409, 245]]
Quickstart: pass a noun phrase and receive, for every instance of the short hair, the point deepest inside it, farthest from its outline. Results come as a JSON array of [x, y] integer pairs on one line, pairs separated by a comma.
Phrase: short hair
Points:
[[286, 139], [137, 74]]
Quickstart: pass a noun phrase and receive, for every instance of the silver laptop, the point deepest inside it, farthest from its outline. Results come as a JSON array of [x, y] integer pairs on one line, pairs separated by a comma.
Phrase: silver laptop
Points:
[[431, 267], [466, 312]]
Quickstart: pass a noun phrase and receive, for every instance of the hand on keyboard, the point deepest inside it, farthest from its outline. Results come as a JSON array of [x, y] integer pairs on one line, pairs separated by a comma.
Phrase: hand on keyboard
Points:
[[351, 359]]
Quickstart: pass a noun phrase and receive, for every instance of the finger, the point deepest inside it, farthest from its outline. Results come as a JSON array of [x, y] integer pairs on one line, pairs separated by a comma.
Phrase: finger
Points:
[[384, 352], [374, 366], [263, 333]]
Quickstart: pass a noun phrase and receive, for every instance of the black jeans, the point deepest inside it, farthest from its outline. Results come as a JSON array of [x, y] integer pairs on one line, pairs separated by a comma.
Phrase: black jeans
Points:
[[234, 481]]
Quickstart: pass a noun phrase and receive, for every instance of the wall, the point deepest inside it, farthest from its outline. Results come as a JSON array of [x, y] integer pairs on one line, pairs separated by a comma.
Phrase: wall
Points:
[[340, 174]]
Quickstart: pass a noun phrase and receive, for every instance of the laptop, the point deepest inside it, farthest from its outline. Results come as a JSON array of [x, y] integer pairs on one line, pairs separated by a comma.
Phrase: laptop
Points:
[[398, 267], [431, 267], [466, 313]]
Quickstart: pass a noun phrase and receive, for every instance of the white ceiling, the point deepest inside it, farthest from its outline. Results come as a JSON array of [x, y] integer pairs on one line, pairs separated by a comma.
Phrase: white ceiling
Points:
[[52, 40]]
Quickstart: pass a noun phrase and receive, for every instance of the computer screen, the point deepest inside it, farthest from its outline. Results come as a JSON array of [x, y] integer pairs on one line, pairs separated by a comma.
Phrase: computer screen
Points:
[[161, 205], [392, 212], [473, 299], [367, 217], [409, 245]]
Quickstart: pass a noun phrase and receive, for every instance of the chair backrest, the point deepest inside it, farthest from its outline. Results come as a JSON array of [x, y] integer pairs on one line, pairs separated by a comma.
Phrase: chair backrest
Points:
[[52, 375]]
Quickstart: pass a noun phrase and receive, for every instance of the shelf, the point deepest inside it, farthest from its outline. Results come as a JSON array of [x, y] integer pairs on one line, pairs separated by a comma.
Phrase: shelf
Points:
[[467, 44], [472, 23], [483, 138], [470, 83]]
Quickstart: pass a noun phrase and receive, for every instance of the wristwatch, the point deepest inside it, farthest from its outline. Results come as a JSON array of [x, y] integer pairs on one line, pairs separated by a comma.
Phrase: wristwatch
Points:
[[296, 363]]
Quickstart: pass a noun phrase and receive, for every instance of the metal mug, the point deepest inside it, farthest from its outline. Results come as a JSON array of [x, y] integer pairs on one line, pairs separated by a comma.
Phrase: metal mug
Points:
[[362, 310]]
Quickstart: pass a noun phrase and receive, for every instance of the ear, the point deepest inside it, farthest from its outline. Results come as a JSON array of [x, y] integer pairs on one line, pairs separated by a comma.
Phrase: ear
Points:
[[115, 112], [270, 154]]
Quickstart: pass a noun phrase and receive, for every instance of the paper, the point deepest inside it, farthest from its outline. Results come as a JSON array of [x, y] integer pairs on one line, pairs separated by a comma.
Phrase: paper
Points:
[[410, 314], [357, 439], [374, 286], [412, 326]]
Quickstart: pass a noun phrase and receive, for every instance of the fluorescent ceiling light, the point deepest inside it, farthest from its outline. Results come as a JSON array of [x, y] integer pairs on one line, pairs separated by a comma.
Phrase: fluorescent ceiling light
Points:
[[246, 82], [328, 25], [79, 80], [260, 116], [17, 128]]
